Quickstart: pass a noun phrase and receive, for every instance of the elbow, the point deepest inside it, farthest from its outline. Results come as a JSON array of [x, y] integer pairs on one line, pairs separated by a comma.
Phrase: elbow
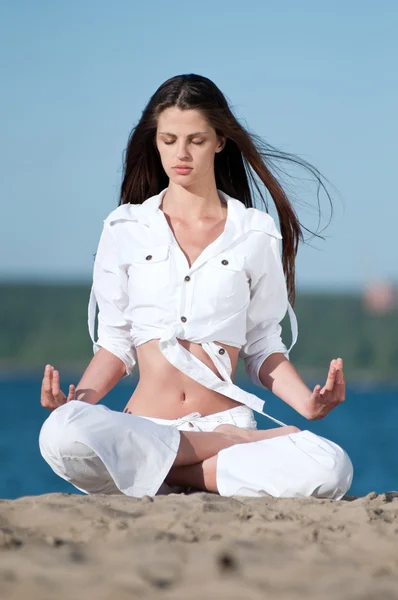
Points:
[[126, 357], [252, 368], [259, 366], [267, 365]]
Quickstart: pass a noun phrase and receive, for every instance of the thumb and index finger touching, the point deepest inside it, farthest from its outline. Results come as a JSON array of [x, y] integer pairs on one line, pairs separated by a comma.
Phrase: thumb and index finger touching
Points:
[[334, 379]]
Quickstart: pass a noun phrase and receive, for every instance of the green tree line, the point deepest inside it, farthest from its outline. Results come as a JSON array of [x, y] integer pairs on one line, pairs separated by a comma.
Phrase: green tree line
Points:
[[42, 323]]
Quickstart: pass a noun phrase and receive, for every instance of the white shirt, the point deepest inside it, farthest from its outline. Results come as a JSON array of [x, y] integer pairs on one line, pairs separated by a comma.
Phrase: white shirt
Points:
[[234, 293]]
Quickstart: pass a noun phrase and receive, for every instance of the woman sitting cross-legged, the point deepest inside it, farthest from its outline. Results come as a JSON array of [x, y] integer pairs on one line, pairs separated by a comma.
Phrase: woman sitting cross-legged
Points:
[[188, 277]]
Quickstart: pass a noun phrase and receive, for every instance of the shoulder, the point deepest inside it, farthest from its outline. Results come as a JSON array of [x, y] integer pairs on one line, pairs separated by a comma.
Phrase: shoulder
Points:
[[259, 220], [125, 212], [252, 219]]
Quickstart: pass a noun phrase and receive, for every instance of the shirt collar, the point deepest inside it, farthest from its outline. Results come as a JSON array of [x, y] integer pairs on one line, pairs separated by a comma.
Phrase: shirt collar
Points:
[[235, 217], [240, 219]]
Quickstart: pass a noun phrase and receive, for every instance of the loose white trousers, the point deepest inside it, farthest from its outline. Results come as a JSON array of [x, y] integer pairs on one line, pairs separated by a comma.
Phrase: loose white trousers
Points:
[[100, 450]]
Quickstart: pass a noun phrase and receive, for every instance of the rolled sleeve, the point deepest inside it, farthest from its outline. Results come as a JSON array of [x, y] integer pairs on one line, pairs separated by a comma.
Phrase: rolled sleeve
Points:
[[109, 291], [268, 305]]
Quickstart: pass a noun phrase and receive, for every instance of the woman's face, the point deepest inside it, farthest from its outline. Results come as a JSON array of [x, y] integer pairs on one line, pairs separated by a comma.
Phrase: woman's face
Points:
[[184, 137]]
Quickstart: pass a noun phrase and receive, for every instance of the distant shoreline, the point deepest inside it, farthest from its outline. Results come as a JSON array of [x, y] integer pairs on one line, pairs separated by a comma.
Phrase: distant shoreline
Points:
[[43, 324]]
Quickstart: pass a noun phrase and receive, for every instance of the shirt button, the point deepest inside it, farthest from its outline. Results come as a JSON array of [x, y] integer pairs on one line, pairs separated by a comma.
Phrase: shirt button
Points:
[[221, 351], [187, 278], [148, 257], [224, 262], [184, 319]]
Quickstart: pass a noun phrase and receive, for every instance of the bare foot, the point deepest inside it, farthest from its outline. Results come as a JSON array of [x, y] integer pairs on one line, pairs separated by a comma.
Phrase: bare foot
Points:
[[253, 435]]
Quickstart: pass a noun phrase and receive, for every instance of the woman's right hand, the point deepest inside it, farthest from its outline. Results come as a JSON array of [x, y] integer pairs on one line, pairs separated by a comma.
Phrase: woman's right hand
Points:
[[51, 395]]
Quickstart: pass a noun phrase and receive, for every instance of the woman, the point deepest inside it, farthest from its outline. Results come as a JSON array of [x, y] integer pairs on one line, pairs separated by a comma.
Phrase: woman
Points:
[[188, 277]]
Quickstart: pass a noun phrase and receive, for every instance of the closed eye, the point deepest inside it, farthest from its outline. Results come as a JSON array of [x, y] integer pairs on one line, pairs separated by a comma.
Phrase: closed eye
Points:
[[196, 143]]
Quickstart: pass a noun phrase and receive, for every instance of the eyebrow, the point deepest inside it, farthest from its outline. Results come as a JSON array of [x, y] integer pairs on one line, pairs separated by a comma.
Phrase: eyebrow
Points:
[[190, 135]]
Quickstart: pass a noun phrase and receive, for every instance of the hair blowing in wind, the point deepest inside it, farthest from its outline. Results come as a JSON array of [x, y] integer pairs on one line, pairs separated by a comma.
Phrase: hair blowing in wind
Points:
[[246, 161]]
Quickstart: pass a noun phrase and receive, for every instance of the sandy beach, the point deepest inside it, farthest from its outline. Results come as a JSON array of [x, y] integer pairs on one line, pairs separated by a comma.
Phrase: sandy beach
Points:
[[198, 546]]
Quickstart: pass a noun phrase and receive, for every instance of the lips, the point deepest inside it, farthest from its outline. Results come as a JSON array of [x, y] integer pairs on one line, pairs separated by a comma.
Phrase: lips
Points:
[[183, 170]]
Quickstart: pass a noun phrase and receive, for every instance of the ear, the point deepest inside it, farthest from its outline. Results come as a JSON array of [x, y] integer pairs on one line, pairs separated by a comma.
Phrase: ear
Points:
[[221, 143]]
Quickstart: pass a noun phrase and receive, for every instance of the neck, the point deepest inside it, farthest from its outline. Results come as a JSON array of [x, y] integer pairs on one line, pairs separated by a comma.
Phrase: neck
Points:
[[194, 203]]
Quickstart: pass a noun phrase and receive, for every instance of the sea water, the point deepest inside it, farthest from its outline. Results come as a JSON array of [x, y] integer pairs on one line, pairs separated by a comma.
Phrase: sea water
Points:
[[365, 425]]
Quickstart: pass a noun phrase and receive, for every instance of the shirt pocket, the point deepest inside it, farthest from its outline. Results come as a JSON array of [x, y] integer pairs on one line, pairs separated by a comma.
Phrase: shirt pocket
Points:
[[226, 274], [148, 270]]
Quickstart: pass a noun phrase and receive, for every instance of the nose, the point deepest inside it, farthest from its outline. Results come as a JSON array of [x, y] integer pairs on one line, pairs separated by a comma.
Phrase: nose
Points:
[[182, 150]]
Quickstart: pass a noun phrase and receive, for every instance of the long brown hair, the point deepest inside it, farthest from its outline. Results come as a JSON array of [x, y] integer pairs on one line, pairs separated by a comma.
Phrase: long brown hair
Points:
[[244, 156]]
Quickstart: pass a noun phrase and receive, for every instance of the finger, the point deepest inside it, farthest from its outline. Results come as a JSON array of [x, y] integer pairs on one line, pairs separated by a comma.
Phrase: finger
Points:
[[71, 395], [317, 403], [55, 385], [46, 398], [319, 396], [329, 385], [340, 385], [337, 395], [46, 382], [47, 369]]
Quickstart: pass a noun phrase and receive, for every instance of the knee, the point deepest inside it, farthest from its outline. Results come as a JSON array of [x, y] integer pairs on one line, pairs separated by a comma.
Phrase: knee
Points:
[[60, 433], [336, 479], [65, 445], [326, 471]]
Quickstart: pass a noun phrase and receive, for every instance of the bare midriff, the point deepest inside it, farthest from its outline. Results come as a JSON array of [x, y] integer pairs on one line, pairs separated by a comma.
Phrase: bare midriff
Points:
[[164, 392]]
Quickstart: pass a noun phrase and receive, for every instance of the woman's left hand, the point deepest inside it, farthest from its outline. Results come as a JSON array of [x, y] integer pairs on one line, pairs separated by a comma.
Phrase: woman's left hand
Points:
[[323, 400]]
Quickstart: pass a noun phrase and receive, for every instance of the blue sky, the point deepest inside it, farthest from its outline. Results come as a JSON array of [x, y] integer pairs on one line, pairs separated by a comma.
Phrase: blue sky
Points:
[[313, 78]]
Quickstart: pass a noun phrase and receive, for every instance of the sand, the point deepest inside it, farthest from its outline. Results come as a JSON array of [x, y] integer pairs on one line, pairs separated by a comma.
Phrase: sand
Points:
[[198, 546]]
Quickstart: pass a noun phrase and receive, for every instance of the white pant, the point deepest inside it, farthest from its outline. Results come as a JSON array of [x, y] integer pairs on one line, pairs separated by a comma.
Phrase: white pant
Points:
[[100, 450]]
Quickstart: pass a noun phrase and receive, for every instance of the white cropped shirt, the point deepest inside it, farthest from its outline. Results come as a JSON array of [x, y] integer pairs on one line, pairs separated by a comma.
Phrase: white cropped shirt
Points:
[[234, 293]]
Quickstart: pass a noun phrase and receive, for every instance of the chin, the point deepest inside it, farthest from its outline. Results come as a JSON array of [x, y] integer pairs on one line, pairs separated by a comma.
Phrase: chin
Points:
[[180, 179]]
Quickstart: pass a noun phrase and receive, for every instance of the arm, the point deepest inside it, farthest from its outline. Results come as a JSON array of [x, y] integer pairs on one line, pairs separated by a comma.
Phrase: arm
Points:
[[279, 376], [268, 306], [114, 353], [265, 355], [102, 374]]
